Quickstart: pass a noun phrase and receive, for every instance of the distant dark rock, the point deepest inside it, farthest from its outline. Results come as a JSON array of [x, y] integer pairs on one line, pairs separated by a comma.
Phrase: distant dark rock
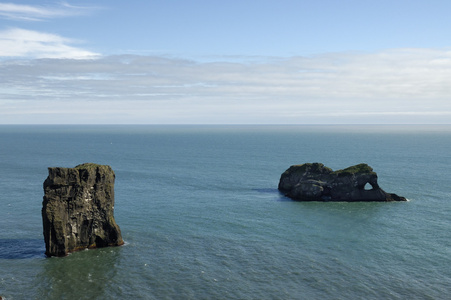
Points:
[[78, 209], [316, 182]]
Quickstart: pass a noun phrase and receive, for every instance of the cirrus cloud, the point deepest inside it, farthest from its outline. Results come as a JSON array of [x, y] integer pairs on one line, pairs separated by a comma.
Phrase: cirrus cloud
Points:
[[21, 12]]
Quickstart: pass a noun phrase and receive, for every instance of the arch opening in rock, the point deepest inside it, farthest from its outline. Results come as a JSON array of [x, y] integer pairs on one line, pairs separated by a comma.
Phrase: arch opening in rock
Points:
[[368, 187]]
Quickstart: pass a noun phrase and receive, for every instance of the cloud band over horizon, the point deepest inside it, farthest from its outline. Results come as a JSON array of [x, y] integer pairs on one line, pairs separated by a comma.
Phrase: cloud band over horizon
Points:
[[394, 86]]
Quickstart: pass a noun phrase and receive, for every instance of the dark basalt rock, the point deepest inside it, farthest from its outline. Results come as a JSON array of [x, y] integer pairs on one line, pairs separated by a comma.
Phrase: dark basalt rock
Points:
[[78, 209], [316, 182]]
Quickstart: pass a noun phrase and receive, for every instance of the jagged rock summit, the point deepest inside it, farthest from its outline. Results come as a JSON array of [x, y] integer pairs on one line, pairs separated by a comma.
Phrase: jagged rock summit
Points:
[[316, 182], [78, 209]]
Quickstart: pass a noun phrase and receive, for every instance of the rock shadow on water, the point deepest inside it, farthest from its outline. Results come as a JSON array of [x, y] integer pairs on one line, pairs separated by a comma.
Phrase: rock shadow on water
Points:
[[21, 248], [273, 191], [267, 190]]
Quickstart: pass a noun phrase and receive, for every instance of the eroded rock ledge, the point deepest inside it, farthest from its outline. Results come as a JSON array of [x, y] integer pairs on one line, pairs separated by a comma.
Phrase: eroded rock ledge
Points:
[[78, 209], [316, 182]]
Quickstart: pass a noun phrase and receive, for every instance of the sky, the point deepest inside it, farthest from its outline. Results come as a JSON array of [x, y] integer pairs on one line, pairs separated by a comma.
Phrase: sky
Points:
[[225, 62]]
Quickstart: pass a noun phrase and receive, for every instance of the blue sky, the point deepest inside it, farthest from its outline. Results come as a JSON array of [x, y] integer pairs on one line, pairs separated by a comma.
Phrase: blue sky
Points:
[[228, 62]]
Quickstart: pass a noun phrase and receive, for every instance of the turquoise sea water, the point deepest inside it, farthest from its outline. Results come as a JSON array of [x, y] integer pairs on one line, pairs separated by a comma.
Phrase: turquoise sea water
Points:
[[202, 219]]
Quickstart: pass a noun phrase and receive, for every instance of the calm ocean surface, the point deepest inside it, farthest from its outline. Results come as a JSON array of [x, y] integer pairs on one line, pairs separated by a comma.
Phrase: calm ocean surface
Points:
[[202, 219]]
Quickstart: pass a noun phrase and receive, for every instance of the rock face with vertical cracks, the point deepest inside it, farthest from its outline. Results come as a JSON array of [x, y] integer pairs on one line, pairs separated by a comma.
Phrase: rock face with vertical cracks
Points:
[[78, 209], [316, 182]]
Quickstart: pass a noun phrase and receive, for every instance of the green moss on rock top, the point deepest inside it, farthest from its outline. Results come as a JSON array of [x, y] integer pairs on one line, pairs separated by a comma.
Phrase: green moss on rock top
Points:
[[89, 166], [312, 167], [360, 168]]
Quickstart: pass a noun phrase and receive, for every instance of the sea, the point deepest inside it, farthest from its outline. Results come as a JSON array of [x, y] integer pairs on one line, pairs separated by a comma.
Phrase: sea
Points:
[[202, 218]]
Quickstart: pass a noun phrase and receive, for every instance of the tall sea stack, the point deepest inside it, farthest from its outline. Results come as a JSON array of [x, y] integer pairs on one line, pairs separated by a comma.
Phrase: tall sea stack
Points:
[[78, 209]]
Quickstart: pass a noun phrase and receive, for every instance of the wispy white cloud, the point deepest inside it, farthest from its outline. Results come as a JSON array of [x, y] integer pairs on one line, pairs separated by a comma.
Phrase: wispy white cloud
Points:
[[23, 12], [393, 86], [16, 42]]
